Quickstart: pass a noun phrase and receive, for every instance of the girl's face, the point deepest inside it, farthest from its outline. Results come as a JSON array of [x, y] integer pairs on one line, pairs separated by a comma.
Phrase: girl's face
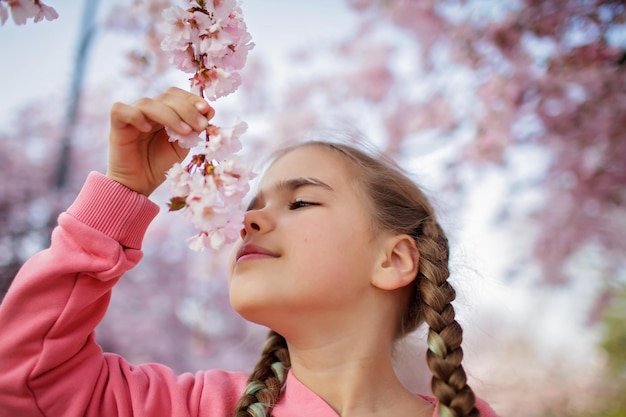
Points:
[[307, 248]]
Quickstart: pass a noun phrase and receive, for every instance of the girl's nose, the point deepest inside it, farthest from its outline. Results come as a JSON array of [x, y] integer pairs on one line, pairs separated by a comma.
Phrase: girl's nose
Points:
[[255, 221]]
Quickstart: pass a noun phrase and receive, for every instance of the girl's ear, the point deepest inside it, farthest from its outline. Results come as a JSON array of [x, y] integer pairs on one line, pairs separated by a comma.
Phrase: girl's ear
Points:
[[398, 264]]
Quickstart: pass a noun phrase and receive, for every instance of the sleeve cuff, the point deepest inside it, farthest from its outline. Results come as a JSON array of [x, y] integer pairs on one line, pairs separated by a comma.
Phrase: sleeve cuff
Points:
[[113, 209]]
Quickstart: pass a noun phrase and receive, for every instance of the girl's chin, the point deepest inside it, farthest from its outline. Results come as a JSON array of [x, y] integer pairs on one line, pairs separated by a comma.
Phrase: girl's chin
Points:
[[249, 304], [258, 308]]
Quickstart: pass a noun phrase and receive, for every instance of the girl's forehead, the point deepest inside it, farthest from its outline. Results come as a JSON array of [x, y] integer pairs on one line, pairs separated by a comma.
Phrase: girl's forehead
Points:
[[321, 168], [307, 161]]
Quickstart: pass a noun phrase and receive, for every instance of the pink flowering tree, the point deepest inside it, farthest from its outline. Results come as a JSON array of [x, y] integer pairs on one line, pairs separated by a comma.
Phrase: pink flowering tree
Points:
[[25, 200]]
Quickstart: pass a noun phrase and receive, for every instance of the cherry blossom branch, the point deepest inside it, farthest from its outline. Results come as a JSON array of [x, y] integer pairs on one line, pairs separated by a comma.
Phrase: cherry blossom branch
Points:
[[22, 10], [210, 40]]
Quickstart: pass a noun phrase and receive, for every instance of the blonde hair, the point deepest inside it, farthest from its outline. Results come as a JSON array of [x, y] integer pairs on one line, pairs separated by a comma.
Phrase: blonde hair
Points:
[[400, 207]]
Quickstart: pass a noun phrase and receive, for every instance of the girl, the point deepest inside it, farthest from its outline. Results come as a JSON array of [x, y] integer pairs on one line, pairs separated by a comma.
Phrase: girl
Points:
[[340, 255]]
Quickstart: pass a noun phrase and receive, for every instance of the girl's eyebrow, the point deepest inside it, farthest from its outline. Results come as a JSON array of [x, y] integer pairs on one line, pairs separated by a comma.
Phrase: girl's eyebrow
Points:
[[292, 185], [295, 183]]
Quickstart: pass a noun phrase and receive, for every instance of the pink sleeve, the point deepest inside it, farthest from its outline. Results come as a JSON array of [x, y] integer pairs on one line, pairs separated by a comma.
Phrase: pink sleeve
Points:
[[50, 364]]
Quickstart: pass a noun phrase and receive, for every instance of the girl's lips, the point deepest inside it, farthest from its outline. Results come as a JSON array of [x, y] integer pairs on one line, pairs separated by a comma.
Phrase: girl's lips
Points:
[[251, 251], [253, 256]]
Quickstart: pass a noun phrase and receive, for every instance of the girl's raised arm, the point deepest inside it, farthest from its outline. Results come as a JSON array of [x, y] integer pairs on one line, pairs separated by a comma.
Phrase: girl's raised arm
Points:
[[50, 364]]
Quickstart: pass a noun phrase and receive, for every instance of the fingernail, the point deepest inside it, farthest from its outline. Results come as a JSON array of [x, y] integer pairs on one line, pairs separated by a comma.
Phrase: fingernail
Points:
[[184, 126], [203, 122], [201, 105]]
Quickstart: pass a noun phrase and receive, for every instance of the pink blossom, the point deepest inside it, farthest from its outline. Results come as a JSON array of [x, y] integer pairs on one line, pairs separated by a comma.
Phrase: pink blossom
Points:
[[225, 10], [225, 13], [217, 237], [224, 84], [176, 29], [185, 141], [230, 220], [183, 59], [223, 141], [199, 242], [233, 179], [210, 204], [179, 180], [202, 199], [215, 44], [206, 217], [202, 190], [201, 24], [46, 12], [231, 229], [236, 58], [215, 82], [22, 10]]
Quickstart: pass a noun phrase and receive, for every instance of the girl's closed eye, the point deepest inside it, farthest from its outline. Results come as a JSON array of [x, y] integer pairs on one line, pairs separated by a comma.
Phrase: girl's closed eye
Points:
[[294, 205]]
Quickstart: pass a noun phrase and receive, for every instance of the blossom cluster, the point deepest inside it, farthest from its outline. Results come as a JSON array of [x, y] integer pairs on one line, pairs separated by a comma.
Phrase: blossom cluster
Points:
[[209, 39], [211, 186], [22, 10]]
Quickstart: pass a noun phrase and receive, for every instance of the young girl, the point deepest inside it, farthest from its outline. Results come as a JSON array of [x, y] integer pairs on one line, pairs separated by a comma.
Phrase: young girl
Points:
[[340, 255]]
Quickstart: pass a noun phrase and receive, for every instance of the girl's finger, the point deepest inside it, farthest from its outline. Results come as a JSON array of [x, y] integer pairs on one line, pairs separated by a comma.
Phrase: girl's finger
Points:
[[166, 114], [123, 115], [200, 104], [192, 109]]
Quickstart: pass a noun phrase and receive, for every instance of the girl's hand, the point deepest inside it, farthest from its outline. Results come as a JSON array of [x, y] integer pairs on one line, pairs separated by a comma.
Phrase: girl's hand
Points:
[[139, 150]]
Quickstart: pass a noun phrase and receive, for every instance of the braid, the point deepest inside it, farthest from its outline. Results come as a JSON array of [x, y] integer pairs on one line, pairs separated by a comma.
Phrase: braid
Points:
[[266, 381], [444, 355]]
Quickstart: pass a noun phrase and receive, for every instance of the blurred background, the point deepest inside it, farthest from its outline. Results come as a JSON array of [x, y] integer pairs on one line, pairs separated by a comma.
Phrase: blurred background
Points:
[[510, 114]]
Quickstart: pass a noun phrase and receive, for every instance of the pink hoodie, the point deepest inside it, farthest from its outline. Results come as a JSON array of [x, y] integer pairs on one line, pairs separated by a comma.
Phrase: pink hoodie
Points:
[[50, 364]]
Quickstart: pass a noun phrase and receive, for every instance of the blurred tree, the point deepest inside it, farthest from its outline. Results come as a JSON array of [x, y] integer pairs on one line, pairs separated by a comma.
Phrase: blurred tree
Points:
[[534, 89], [25, 197], [30, 203], [78, 77]]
